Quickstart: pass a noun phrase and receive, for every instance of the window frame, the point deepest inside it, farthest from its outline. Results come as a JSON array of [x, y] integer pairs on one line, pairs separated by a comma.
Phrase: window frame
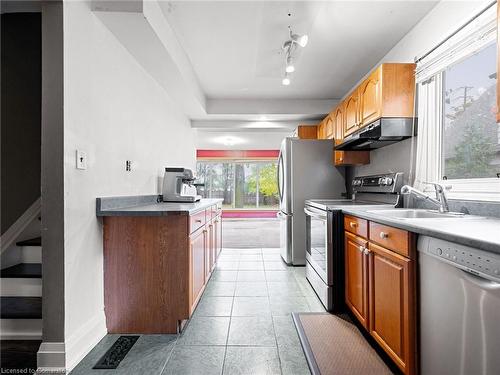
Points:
[[478, 189]]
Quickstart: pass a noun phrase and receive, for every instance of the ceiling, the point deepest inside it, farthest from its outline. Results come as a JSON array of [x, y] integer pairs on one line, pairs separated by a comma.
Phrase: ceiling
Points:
[[235, 46]]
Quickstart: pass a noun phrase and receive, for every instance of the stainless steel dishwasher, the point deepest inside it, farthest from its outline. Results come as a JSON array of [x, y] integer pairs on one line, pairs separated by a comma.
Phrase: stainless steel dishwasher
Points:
[[459, 309]]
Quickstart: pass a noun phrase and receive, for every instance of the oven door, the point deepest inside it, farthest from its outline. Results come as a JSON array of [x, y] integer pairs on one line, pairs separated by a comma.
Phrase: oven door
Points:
[[318, 243]]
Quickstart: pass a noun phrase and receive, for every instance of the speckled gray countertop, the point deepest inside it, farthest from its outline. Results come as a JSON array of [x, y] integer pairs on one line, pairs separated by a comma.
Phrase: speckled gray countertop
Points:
[[147, 205], [474, 231]]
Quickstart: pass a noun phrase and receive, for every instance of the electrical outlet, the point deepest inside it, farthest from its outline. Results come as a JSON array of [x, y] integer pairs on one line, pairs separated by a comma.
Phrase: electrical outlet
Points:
[[81, 159]]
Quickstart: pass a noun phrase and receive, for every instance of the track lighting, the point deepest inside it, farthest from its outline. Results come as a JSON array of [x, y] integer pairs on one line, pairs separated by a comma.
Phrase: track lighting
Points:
[[301, 40], [290, 68], [289, 47]]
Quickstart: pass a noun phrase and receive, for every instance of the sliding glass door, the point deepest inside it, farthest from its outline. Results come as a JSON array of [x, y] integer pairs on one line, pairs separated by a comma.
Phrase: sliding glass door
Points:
[[242, 184]]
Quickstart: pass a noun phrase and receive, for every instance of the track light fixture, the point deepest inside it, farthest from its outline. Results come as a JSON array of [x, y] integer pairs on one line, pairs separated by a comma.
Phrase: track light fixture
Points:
[[289, 47]]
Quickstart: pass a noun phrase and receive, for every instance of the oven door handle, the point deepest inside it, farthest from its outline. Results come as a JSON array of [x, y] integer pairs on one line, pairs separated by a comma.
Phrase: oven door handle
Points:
[[315, 214]]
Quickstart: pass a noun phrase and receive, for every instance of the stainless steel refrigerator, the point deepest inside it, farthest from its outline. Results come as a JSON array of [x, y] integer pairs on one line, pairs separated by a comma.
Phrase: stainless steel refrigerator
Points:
[[305, 171]]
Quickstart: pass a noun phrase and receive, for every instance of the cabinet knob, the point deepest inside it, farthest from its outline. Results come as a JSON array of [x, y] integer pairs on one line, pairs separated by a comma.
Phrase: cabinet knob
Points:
[[361, 248], [198, 221], [353, 225], [384, 235], [367, 251]]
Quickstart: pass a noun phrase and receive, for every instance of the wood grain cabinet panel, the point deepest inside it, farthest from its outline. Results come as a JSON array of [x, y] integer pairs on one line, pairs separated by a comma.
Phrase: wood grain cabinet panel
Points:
[[356, 277], [392, 317], [197, 263], [356, 225], [395, 239], [351, 108], [329, 131], [307, 131], [370, 94]]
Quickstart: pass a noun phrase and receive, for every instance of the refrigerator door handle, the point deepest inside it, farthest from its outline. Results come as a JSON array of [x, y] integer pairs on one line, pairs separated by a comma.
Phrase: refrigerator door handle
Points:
[[280, 165]]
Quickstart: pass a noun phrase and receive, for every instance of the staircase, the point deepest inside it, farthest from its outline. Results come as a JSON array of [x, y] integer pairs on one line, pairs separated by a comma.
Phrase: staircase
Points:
[[21, 294]]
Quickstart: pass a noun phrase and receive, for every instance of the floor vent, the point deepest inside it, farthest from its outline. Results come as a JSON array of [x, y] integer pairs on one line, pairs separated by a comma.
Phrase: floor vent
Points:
[[112, 358]]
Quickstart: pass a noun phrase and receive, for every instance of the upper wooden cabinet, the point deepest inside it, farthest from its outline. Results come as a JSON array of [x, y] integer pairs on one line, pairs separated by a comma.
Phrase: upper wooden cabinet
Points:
[[370, 97], [338, 123], [329, 131], [307, 131], [351, 116]]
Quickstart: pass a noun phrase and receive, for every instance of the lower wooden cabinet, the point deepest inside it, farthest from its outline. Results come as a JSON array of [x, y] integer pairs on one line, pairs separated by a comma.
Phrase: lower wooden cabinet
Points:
[[156, 268], [392, 316], [356, 268], [197, 265], [381, 293]]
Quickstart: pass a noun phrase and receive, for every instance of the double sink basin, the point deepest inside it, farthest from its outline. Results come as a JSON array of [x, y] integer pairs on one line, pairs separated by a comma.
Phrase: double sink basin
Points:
[[403, 213]]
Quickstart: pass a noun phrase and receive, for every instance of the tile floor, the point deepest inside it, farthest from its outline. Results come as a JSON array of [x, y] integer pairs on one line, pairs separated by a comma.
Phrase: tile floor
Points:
[[242, 324]]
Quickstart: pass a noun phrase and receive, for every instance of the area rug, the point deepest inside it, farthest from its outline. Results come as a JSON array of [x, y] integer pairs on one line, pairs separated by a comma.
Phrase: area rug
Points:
[[334, 346]]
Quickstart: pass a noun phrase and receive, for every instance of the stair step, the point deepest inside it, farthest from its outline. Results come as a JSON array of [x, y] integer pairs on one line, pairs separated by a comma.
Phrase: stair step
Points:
[[23, 270], [31, 242], [21, 307], [19, 354]]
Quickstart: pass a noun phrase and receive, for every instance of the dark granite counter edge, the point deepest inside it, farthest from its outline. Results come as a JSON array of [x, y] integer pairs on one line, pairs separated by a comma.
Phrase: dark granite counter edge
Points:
[[467, 241]]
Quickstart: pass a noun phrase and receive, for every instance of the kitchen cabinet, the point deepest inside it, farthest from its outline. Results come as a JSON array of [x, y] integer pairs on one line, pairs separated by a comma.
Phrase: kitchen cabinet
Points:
[[356, 271], [197, 267], [343, 158], [370, 97], [307, 131], [156, 268], [328, 130], [351, 116], [380, 278], [391, 319]]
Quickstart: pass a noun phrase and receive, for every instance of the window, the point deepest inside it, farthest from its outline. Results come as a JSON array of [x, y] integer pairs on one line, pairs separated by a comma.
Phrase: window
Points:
[[471, 136], [241, 184], [458, 141]]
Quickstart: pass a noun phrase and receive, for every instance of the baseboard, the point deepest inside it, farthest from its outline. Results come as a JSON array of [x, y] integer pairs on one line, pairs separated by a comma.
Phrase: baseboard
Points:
[[80, 343], [51, 358]]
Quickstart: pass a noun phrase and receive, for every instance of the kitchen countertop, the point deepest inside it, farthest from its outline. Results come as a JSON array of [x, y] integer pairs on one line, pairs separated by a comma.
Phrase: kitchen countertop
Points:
[[474, 231], [147, 205]]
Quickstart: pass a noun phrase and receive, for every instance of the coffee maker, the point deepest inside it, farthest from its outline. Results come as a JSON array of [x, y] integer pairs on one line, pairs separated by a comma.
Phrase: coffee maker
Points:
[[178, 185]]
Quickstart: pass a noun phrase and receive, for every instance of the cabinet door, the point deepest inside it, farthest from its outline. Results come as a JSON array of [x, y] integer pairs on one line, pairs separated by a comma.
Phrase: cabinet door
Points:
[[371, 98], [356, 277], [392, 315], [209, 259], [351, 113], [329, 127], [197, 251], [321, 130], [338, 124], [215, 243], [219, 232]]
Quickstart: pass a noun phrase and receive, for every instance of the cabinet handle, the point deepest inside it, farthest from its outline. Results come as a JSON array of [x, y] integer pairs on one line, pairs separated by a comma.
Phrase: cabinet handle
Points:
[[198, 221], [361, 248], [367, 251], [353, 225], [384, 235]]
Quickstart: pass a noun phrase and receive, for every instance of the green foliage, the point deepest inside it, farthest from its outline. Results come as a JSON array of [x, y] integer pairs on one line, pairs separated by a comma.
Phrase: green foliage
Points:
[[268, 184], [473, 156]]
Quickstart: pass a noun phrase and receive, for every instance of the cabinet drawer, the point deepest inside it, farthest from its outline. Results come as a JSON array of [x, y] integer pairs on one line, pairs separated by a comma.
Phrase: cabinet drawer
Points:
[[196, 221], [356, 225], [397, 240]]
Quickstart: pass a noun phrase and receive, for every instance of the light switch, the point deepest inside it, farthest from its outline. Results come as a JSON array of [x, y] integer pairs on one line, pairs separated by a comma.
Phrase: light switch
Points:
[[81, 159]]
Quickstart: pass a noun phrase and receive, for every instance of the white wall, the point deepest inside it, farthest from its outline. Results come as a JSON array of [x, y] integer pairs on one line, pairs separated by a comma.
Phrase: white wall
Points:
[[115, 112]]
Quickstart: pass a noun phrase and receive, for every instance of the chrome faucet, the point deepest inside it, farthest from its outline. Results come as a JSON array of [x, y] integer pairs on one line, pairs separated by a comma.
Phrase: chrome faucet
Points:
[[441, 201]]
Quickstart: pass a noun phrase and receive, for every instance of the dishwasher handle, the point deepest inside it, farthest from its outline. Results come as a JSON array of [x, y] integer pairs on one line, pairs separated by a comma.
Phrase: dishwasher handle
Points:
[[481, 281]]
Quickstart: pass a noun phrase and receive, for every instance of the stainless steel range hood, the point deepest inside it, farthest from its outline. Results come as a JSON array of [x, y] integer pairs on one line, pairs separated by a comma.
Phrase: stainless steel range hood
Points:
[[380, 133]]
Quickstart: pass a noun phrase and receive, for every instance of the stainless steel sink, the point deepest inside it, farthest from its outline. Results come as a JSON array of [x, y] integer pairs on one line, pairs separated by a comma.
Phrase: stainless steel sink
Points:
[[416, 214]]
